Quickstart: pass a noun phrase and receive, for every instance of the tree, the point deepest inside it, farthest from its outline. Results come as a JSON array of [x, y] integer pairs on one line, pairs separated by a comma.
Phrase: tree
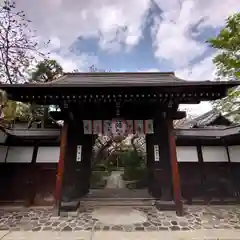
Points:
[[19, 46], [45, 71], [11, 110], [92, 69], [227, 61]]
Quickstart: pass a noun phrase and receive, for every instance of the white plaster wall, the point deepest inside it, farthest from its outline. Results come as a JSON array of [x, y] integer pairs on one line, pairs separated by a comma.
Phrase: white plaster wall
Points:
[[3, 152], [20, 154], [187, 154], [234, 152], [214, 154], [2, 137], [48, 155]]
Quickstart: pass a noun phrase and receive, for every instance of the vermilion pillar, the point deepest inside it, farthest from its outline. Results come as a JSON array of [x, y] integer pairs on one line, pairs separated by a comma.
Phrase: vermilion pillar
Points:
[[60, 170], [175, 172]]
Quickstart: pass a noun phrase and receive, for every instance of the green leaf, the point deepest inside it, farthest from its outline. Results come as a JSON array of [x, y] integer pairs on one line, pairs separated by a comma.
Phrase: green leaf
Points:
[[228, 60]]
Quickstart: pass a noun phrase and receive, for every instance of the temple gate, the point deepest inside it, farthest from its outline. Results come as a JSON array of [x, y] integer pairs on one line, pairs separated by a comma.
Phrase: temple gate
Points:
[[102, 96]]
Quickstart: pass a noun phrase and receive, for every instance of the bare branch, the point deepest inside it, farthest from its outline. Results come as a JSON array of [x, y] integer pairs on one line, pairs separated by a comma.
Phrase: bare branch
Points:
[[19, 47]]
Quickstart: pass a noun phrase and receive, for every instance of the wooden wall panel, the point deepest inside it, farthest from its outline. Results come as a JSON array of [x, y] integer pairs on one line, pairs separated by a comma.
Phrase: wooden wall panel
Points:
[[3, 153], [14, 182], [45, 183]]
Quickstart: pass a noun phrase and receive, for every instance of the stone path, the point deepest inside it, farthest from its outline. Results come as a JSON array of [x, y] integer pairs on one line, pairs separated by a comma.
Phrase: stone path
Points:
[[97, 219], [102, 235]]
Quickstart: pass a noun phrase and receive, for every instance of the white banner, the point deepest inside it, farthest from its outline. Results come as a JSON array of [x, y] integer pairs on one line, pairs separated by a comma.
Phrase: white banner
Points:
[[148, 126], [97, 127], [107, 127], [87, 124], [118, 127], [138, 127], [129, 126], [156, 153], [79, 153]]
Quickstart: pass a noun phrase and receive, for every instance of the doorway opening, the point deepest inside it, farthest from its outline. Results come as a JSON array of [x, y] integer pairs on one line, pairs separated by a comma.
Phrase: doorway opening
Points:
[[119, 168]]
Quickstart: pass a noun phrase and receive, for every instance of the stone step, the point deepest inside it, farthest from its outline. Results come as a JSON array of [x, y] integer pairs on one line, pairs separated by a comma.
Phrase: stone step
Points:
[[70, 206], [116, 202]]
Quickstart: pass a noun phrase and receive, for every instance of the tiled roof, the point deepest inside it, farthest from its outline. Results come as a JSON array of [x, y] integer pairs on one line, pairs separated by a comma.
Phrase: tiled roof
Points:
[[201, 121], [119, 79]]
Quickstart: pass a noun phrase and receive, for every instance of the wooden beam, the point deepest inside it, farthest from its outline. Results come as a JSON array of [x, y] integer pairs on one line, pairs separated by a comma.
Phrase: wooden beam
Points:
[[175, 172], [32, 181], [60, 170]]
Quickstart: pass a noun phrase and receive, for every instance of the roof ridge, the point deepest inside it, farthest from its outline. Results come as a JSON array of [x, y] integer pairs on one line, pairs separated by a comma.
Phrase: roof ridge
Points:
[[119, 73], [123, 76]]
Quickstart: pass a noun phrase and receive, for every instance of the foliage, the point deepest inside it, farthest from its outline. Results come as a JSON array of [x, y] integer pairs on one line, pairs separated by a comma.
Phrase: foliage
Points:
[[92, 68], [19, 46], [46, 71], [134, 166], [228, 42], [11, 110], [3, 97], [228, 60], [98, 179]]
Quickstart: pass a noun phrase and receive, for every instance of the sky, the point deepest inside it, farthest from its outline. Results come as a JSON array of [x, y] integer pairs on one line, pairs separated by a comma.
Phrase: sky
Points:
[[133, 35]]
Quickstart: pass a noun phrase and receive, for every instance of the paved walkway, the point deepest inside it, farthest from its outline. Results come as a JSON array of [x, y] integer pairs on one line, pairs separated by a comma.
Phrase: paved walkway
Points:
[[199, 222], [125, 219], [116, 235]]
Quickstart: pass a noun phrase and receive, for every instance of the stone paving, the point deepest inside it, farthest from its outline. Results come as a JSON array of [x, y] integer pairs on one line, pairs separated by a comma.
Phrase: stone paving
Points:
[[196, 218], [116, 235]]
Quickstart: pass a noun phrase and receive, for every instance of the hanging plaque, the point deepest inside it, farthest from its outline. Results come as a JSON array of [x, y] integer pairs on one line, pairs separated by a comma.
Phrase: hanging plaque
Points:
[[87, 125], [156, 153], [79, 153]]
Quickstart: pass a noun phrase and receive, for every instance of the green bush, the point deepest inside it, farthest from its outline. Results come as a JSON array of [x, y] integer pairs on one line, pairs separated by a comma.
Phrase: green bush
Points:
[[97, 179]]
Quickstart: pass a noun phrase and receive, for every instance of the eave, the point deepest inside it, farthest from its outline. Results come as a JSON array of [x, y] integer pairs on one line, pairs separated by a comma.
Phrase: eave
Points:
[[179, 133]]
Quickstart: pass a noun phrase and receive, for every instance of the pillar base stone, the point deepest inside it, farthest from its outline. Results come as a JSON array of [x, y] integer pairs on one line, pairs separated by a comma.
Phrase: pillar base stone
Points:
[[165, 205]]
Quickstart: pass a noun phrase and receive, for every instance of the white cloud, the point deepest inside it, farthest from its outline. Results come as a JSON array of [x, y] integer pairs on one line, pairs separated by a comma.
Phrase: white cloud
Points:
[[69, 19], [113, 23], [173, 40], [172, 37], [202, 71], [120, 22]]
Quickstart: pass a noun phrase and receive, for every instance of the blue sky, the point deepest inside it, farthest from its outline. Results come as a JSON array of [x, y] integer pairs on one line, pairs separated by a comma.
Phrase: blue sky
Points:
[[132, 35]]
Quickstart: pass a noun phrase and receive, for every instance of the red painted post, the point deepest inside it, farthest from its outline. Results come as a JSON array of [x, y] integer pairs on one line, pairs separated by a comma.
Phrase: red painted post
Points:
[[60, 170], [175, 172]]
